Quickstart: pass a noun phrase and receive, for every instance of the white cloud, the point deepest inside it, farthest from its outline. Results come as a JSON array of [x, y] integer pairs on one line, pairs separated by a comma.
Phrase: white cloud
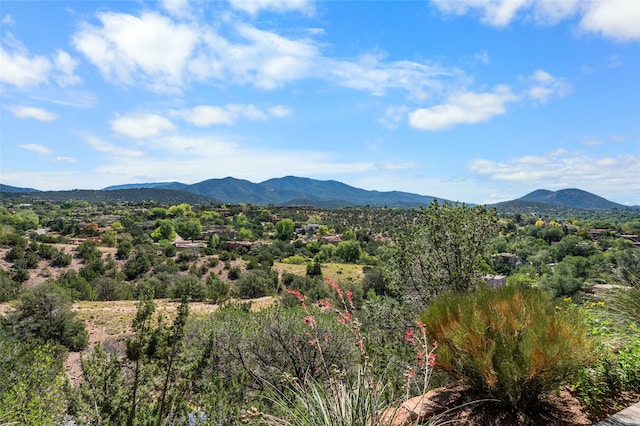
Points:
[[8, 20], [618, 19], [60, 159], [208, 115], [544, 86], [127, 49], [21, 69], [102, 146], [493, 12], [163, 54], [255, 6], [280, 111], [371, 73], [40, 149], [463, 108], [615, 19], [66, 65], [562, 169], [32, 112], [393, 115], [179, 8], [141, 125]]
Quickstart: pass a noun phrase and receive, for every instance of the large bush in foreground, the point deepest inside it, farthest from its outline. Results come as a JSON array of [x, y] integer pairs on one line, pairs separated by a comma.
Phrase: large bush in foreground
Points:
[[507, 343]]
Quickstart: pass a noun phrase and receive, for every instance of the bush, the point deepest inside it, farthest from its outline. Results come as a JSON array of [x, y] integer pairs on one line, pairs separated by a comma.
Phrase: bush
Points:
[[44, 313], [9, 289], [254, 284], [218, 290], [507, 343]]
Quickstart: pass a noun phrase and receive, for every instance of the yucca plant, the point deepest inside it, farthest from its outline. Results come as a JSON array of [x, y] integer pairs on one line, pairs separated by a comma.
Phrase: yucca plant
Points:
[[509, 343]]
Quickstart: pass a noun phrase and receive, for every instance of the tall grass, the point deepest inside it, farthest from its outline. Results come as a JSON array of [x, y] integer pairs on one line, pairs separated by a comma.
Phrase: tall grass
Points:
[[508, 343]]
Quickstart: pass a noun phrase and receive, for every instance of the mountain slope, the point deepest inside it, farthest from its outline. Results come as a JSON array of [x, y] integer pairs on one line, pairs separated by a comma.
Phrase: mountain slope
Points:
[[573, 198], [165, 185], [14, 189]]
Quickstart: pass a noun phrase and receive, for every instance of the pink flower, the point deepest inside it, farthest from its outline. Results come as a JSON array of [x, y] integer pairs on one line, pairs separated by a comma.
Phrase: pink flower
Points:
[[423, 329], [347, 315], [297, 294], [326, 304], [408, 335], [411, 373], [335, 286], [310, 320], [432, 359], [435, 345], [350, 296]]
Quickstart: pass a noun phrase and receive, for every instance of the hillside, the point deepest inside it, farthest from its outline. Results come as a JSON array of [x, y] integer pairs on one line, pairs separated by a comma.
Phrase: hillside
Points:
[[134, 195], [572, 198], [14, 189]]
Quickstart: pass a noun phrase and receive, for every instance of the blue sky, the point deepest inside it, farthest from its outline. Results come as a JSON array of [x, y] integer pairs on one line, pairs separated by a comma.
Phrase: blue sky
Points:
[[469, 100]]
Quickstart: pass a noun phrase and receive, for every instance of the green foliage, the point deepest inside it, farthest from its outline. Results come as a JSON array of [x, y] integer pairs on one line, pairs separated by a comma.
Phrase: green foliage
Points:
[[333, 402], [88, 251], [564, 281], [9, 289], [274, 342], [314, 269], [613, 324], [102, 396], [31, 380], [285, 229], [443, 252], [349, 251], [507, 343], [164, 231], [189, 229], [76, 286], [218, 290], [44, 314], [253, 284]]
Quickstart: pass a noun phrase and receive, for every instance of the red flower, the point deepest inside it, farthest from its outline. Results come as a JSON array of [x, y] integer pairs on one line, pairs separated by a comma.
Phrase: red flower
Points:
[[432, 359], [326, 304], [408, 335], [296, 293]]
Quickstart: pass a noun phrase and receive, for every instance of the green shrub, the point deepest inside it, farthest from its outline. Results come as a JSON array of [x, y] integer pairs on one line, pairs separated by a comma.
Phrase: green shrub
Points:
[[218, 290], [254, 284], [508, 343]]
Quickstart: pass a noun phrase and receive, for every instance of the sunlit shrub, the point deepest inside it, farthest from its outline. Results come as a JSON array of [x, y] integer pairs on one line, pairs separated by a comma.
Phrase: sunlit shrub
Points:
[[508, 343]]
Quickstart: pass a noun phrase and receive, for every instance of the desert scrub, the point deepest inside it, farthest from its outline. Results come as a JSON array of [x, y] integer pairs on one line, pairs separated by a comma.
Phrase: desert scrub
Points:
[[509, 343], [349, 397]]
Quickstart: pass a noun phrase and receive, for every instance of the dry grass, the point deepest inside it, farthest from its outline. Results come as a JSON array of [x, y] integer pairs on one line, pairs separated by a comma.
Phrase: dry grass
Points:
[[339, 272]]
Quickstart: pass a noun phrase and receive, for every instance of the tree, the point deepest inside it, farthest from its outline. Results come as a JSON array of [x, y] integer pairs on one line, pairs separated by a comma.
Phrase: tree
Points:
[[285, 229], [444, 251], [43, 313], [164, 231], [189, 229], [348, 251]]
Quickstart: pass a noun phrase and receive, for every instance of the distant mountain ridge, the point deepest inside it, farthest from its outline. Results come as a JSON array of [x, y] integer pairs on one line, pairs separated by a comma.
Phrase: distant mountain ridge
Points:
[[291, 190], [15, 189], [572, 197]]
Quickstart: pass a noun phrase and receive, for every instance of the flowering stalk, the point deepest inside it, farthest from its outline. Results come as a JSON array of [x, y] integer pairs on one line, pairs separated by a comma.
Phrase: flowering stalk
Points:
[[426, 357]]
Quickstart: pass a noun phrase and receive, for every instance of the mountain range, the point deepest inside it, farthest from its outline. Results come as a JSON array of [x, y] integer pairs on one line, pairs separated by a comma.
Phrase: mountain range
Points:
[[291, 190]]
